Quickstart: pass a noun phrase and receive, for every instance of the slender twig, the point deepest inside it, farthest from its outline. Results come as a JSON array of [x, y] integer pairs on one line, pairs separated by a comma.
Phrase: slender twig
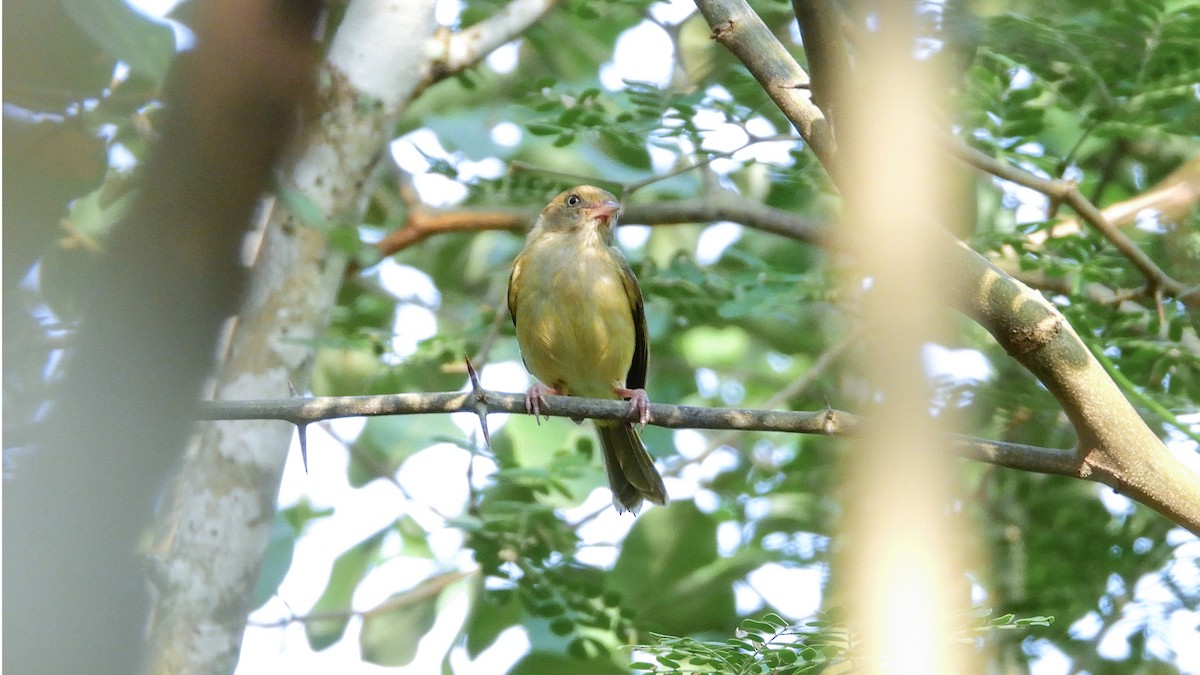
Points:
[[428, 588]]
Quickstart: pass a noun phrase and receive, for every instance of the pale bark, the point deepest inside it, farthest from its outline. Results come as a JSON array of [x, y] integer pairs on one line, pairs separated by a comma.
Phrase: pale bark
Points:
[[211, 539], [213, 533]]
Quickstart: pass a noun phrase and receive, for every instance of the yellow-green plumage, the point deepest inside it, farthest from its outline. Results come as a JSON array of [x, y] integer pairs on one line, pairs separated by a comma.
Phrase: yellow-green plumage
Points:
[[581, 327]]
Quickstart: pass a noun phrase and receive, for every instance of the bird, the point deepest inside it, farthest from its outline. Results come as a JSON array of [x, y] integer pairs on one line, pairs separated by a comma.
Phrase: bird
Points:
[[581, 328]]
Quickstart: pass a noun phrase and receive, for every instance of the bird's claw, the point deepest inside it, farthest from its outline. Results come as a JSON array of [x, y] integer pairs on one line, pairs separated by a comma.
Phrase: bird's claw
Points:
[[639, 404], [535, 397]]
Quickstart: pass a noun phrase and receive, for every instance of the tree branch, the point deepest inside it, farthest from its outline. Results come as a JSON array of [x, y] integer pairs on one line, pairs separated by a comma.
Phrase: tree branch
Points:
[[1068, 192], [717, 205], [742, 32], [1116, 446], [1172, 199], [454, 52], [826, 422], [820, 24]]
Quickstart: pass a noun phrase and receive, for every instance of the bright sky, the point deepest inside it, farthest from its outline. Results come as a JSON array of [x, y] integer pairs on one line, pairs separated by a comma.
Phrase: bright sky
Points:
[[436, 478]]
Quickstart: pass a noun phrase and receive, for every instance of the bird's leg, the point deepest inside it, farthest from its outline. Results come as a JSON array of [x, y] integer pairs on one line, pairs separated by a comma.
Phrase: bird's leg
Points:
[[535, 397], [639, 403]]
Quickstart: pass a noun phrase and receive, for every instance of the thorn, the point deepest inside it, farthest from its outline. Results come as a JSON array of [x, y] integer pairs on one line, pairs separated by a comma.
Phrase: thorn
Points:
[[302, 429], [480, 400], [829, 421]]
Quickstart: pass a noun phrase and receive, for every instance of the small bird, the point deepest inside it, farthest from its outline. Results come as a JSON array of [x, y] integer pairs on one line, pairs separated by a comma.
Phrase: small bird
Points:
[[582, 329]]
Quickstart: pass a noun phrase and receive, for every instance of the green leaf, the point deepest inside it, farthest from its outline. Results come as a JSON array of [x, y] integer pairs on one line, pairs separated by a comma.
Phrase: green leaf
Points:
[[348, 570], [491, 614], [390, 638], [277, 561], [540, 129], [661, 572], [147, 46]]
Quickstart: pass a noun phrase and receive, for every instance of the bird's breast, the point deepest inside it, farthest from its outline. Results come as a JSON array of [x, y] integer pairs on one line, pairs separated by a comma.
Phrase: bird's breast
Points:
[[574, 320]]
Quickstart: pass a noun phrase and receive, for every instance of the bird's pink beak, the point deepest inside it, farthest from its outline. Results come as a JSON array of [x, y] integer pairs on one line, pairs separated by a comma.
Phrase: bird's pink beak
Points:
[[605, 211]]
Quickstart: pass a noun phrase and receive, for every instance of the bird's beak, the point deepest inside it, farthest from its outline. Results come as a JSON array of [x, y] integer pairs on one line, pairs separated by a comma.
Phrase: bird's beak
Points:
[[605, 211]]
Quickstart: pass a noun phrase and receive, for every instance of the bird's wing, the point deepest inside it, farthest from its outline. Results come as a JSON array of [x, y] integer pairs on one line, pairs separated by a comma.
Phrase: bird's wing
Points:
[[636, 377], [513, 280]]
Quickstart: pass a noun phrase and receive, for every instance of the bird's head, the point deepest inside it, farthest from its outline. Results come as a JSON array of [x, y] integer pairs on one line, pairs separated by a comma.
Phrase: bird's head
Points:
[[581, 207]]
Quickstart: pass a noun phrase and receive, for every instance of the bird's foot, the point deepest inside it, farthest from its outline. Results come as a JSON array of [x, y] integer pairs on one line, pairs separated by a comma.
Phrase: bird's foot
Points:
[[639, 404], [535, 397]]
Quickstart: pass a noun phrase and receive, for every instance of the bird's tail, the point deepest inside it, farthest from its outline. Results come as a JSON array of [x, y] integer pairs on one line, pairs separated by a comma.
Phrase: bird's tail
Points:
[[631, 472]]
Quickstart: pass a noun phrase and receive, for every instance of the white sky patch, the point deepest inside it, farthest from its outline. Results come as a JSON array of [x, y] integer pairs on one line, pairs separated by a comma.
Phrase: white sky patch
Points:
[[1116, 504], [1048, 659], [662, 159], [706, 500], [605, 531], [729, 537], [633, 236], [360, 513], [346, 428], [689, 443], [488, 167], [672, 12], [439, 191], [714, 240], [727, 137], [642, 53], [405, 282], [771, 152], [392, 575], [411, 150], [436, 477], [504, 59], [507, 134], [956, 365], [447, 12], [412, 324], [1183, 447], [1021, 78], [1030, 206], [504, 376], [1031, 149], [500, 376], [120, 158], [779, 362], [795, 592], [500, 657], [745, 598], [1149, 220], [414, 153], [720, 461], [718, 92], [1181, 635], [158, 9]]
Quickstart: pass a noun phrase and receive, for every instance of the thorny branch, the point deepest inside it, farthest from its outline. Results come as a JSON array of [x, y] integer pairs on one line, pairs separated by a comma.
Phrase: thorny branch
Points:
[[481, 402]]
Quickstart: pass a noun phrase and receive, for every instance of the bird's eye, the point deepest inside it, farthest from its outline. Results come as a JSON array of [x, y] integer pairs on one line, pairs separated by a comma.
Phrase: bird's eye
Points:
[[573, 200]]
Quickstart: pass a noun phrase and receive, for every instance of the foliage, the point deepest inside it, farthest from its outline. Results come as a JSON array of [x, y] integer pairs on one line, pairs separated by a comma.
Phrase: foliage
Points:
[[770, 644], [1104, 95]]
